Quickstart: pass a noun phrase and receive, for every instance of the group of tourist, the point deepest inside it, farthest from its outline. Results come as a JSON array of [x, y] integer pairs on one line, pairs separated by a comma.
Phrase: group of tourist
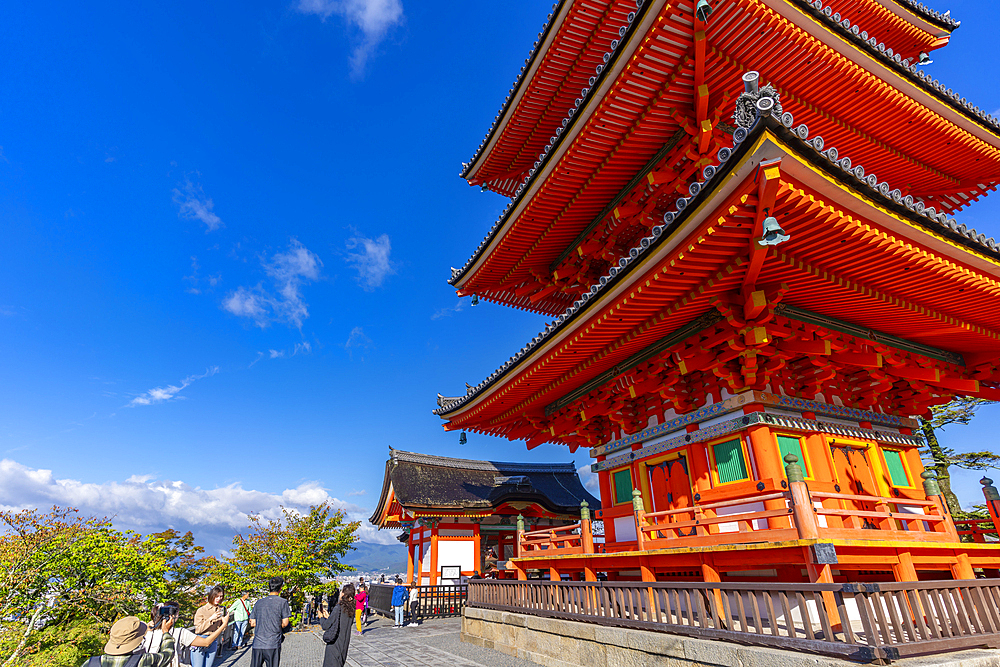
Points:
[[159, 643]]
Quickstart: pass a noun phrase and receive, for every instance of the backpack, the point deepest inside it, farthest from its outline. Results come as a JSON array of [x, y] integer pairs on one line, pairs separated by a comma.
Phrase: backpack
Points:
[[132, 662]]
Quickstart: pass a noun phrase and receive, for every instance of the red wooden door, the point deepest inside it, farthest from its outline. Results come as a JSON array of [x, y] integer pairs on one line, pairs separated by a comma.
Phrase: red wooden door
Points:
[[670, 487], [854, 475]]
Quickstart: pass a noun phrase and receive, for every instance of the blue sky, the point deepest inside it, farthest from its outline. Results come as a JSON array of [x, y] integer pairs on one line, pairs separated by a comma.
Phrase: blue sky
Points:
[[227, 230]]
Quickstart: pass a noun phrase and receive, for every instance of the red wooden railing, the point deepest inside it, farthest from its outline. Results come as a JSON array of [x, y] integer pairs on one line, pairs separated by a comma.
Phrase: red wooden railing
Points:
[[564, 539], [795, 513], [978, 529]]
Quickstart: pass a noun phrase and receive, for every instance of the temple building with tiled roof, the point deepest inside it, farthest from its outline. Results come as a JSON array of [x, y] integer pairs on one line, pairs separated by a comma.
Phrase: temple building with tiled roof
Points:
[[463, 513]]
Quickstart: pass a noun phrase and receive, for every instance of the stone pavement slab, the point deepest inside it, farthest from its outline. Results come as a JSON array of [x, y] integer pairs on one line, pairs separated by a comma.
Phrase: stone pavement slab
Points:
[[434, 643]]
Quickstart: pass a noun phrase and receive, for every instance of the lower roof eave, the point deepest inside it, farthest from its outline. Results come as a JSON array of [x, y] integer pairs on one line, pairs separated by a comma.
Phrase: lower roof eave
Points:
[[807, 164]]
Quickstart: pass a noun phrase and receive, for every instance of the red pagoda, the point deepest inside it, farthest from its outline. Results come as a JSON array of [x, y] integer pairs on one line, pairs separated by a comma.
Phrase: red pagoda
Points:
[[738, 214]]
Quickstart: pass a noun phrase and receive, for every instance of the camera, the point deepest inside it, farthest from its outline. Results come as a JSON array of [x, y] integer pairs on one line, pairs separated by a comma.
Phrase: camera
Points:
[[163, 612]]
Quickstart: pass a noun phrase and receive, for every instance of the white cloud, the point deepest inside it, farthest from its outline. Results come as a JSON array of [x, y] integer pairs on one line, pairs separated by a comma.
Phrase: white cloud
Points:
[[373, 18], [357, 493], [373, 263], [194, 205], [195, 280], [357, 340], [147, 504], [446, 312], [591, 481], [281, 300], [170, 392]]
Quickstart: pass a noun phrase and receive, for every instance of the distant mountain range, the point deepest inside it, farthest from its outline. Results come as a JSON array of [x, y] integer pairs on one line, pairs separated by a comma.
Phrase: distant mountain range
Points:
[[368, 557]]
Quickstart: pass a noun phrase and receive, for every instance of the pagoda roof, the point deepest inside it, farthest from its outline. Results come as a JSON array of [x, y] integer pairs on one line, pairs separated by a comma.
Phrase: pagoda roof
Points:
[[643, 96], [945, 307], [944, 20], [561, 62], [417, 482], [563, 59]]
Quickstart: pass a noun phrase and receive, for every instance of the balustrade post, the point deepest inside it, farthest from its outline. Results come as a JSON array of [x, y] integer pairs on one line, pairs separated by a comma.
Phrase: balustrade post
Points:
[[806, 524], [640, 520], [933, 493], [519, 535], [586, 534], [992, 501]]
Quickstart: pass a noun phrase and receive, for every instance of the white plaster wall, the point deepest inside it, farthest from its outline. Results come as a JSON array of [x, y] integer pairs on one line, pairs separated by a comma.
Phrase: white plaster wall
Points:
[[625, 528]]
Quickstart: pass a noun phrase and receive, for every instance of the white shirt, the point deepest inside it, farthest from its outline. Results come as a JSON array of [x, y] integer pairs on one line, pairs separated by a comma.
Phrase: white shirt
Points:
[[182, 637]]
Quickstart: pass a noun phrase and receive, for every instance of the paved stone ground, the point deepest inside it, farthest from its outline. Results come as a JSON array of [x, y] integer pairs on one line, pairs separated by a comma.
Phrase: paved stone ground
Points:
[[435, 643]]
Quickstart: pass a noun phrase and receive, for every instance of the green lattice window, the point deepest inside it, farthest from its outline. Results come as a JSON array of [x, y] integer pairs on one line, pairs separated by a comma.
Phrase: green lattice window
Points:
[[790, 445], [623, 486], [729, 463], [894, 464]]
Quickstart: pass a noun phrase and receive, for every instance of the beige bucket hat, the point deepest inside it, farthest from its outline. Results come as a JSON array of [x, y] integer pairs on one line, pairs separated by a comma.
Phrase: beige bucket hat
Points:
[[126, 635]]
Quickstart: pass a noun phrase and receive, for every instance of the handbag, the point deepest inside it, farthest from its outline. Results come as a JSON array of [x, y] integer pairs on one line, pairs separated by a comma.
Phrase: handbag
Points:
[[331, 634]]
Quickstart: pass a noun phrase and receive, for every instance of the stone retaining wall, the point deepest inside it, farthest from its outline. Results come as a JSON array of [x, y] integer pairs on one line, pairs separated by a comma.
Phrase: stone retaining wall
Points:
[[557, 643]]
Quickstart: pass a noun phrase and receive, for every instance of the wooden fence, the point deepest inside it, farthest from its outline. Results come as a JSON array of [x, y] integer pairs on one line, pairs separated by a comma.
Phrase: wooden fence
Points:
[[863, 622]]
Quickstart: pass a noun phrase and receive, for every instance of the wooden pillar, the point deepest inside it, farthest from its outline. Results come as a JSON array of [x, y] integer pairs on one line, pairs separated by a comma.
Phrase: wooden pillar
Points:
[[409, 558], [992, 501], [963, 568], [768, 458], [904, 571], [554, 574], [434, 552], [586, 532], [805, 515], [710, 575], [518, 535], [822, 573], [588, 573], [477, 563], [640, 520], [933, 492]]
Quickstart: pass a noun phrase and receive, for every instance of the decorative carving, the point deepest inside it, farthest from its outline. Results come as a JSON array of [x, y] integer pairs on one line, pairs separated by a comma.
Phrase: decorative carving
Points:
[[754, 101]]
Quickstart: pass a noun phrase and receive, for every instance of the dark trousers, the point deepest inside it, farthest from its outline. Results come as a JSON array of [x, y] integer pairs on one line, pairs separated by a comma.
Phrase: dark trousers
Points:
[[265, 656], [414, 606]]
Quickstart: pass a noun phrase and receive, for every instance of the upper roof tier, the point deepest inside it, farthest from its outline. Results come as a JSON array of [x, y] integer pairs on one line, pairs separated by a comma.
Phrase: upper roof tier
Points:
[[573, 42], [651, 116], [873, 299]]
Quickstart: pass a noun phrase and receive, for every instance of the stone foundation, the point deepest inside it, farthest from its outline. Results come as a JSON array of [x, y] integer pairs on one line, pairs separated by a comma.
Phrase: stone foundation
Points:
[[558, 643]]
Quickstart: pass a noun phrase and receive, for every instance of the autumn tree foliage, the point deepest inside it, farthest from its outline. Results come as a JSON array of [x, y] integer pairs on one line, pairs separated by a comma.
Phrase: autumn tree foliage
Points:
[[58, 568], [305, 549], [65, 578]]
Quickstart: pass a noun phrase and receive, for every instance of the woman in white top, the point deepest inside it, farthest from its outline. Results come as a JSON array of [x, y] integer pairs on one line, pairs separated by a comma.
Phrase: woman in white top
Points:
[[164, 618]]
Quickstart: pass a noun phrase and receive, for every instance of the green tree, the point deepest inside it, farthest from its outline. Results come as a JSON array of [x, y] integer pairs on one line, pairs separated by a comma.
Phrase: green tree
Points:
[[188, 569], [60, 569], [305, 549], [939, 458]]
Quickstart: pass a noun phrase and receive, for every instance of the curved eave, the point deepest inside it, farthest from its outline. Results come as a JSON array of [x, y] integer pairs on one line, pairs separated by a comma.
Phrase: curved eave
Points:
[[921, 15], [615, 64], [384, 496], [942, 101], [984, 253], [906, 79], [535, 58]]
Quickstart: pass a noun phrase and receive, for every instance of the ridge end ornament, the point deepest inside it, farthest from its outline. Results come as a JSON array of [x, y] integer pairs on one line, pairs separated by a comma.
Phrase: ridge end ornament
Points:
[[755, 101]]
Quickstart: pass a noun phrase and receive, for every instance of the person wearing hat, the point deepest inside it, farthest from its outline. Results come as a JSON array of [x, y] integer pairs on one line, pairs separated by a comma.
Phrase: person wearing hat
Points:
[[123, 647]]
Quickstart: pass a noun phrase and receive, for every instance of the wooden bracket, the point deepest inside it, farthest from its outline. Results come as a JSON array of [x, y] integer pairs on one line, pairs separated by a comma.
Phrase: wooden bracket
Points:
[[768, 180]]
